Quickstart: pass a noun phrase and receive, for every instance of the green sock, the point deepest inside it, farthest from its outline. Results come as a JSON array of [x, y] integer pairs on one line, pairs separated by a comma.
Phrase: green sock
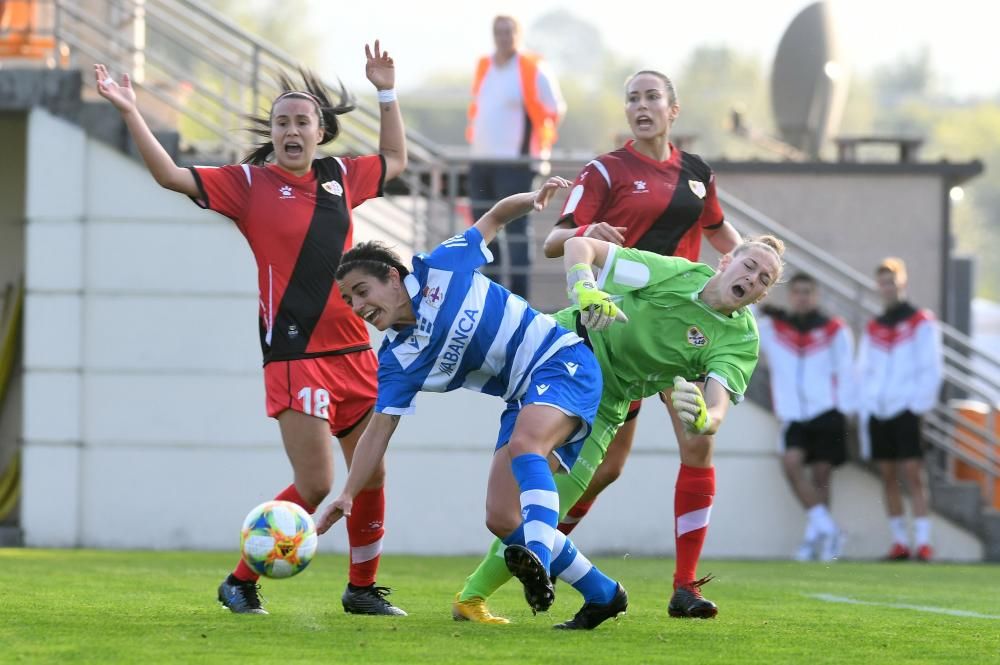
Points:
[[492, 572]]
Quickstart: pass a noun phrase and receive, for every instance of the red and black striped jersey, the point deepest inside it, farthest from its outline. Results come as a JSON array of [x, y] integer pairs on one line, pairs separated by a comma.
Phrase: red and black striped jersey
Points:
[[664, 205], [298, 228]]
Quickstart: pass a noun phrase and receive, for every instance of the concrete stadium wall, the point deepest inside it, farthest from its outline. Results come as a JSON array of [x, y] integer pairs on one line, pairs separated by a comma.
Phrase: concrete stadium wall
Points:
[[860, 219], [143, 407]]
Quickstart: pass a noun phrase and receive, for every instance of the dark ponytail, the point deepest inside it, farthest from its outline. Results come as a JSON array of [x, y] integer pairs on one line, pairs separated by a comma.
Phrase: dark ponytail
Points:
[[372, 257], [315, 92]]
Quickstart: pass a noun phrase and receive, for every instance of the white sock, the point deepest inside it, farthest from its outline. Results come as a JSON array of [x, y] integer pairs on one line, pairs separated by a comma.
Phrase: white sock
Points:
[[898, 527], [821, 519], [922, 530]]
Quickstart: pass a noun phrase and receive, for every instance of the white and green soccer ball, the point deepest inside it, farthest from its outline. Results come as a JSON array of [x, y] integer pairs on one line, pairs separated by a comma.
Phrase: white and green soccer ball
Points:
[[278, 539]]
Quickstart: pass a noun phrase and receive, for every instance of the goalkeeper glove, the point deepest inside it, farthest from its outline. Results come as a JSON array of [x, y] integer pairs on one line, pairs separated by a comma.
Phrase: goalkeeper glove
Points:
[[690, 406], [597, 310]]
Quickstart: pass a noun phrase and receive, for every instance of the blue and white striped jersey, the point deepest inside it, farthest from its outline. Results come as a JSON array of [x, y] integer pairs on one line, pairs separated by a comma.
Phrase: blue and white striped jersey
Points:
[[470, 331]]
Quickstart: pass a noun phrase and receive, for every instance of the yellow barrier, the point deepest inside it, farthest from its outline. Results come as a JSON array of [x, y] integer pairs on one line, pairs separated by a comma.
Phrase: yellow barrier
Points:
[[10, 486], [13, 307], [10, 327]]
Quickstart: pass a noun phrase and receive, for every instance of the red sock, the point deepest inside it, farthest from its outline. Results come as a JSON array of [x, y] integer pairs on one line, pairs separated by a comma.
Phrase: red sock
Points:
[[692, 506], [575, 514], [244, 572], [364, 533]]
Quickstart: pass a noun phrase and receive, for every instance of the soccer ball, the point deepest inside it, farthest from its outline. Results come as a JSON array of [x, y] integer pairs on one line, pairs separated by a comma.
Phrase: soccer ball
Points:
[[278, 539]]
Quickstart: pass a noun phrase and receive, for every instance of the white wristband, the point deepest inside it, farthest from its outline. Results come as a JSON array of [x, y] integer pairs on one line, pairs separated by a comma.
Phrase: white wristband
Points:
[[386, 96]]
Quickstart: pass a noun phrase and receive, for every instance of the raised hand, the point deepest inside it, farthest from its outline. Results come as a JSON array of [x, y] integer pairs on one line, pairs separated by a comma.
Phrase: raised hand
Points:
[[121, 95], [341, 507], [545, 192], [380, 68]]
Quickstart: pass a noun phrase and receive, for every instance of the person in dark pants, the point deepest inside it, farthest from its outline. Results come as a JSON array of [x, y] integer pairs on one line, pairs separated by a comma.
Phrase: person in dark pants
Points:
[[811, 357], [900, 369], [515, 109]]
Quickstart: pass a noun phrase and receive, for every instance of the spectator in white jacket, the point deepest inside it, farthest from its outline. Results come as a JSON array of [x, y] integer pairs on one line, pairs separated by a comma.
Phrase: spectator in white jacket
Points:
[[811, 360], [899, 368]]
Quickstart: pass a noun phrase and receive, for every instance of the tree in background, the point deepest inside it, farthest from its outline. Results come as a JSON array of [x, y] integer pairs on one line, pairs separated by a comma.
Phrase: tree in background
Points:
[[907, 102], [714, 81]]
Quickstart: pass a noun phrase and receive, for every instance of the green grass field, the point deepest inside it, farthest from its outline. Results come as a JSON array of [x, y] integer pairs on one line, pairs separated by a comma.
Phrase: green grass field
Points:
[[143, 607]]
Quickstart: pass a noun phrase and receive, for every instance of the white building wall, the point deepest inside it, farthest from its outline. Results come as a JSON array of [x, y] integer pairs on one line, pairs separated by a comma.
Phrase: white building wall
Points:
[[143, 411]]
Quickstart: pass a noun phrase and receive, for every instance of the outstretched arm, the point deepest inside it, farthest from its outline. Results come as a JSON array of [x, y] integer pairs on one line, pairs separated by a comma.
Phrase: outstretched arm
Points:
[[589, 251], [723, 238], [367, 454], [160, 164], [381, 71], [565, 229], [517, 205]]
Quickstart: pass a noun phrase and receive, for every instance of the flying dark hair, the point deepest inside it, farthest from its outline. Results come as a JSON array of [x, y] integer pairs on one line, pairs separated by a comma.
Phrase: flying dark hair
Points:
[[667, 83], [373, 258], [316, 93]]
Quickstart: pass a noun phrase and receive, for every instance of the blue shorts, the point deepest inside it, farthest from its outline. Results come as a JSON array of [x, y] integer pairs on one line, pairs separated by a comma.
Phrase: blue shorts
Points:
[[569, 381]]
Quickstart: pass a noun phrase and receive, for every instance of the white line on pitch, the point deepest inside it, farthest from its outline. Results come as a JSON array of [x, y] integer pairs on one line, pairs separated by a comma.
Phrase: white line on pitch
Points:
[[829, 598]]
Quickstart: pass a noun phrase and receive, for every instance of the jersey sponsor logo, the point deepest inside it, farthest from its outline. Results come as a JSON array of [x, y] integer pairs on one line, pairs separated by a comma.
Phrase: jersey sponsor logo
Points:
[[541, 388], [698, 187], [640, 187], [696, 337], [333, 187], [572, 367], [453, 350], [286, 192]]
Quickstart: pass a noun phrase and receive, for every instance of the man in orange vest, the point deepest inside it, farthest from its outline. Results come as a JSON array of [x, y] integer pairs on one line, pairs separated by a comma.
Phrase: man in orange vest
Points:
[[515, 109]]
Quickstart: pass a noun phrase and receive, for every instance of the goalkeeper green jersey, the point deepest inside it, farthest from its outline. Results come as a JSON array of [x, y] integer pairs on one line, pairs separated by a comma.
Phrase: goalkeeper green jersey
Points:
[[670, 332]]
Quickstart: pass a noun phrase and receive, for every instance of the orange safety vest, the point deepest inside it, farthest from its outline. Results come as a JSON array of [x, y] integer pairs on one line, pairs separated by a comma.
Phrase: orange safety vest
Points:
[[543, 121]]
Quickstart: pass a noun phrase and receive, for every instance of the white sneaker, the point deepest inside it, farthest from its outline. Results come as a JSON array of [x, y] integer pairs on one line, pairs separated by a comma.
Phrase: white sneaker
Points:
[[831, 545], [806, 551]]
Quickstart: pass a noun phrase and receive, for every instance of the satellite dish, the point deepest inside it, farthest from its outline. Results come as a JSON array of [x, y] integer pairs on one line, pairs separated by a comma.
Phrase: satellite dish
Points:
[[809, 80]]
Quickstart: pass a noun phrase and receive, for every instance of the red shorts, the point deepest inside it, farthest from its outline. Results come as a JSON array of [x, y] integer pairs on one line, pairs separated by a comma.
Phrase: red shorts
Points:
[[340, 389]]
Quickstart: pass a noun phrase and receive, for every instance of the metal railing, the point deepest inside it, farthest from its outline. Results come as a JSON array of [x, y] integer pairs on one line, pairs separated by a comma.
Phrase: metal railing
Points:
[[207, 91], [969, 370], [198, 72]]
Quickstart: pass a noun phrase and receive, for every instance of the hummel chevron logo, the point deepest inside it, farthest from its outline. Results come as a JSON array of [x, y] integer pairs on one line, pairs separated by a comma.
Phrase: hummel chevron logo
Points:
[[572, 368], [541, 388]]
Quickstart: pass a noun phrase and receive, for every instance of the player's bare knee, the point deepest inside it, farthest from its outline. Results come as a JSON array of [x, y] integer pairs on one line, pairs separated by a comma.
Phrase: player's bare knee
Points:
[[314, 489], [607, 474], [501, 523], [377, 479]]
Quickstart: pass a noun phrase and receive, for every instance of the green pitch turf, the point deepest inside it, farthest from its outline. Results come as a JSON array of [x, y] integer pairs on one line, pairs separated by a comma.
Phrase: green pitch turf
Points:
[[142, 607]]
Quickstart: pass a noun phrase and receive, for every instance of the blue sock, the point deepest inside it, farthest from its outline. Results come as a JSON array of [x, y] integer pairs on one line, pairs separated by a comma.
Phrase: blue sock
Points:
[[516, 537], [572, 567], [539, 503]]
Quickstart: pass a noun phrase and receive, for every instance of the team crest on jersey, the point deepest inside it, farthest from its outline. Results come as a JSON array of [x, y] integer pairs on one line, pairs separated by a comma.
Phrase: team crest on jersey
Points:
[[334, 188], [433, 297], [286, 192], [640, 187], [698, 187], [696, 337]]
